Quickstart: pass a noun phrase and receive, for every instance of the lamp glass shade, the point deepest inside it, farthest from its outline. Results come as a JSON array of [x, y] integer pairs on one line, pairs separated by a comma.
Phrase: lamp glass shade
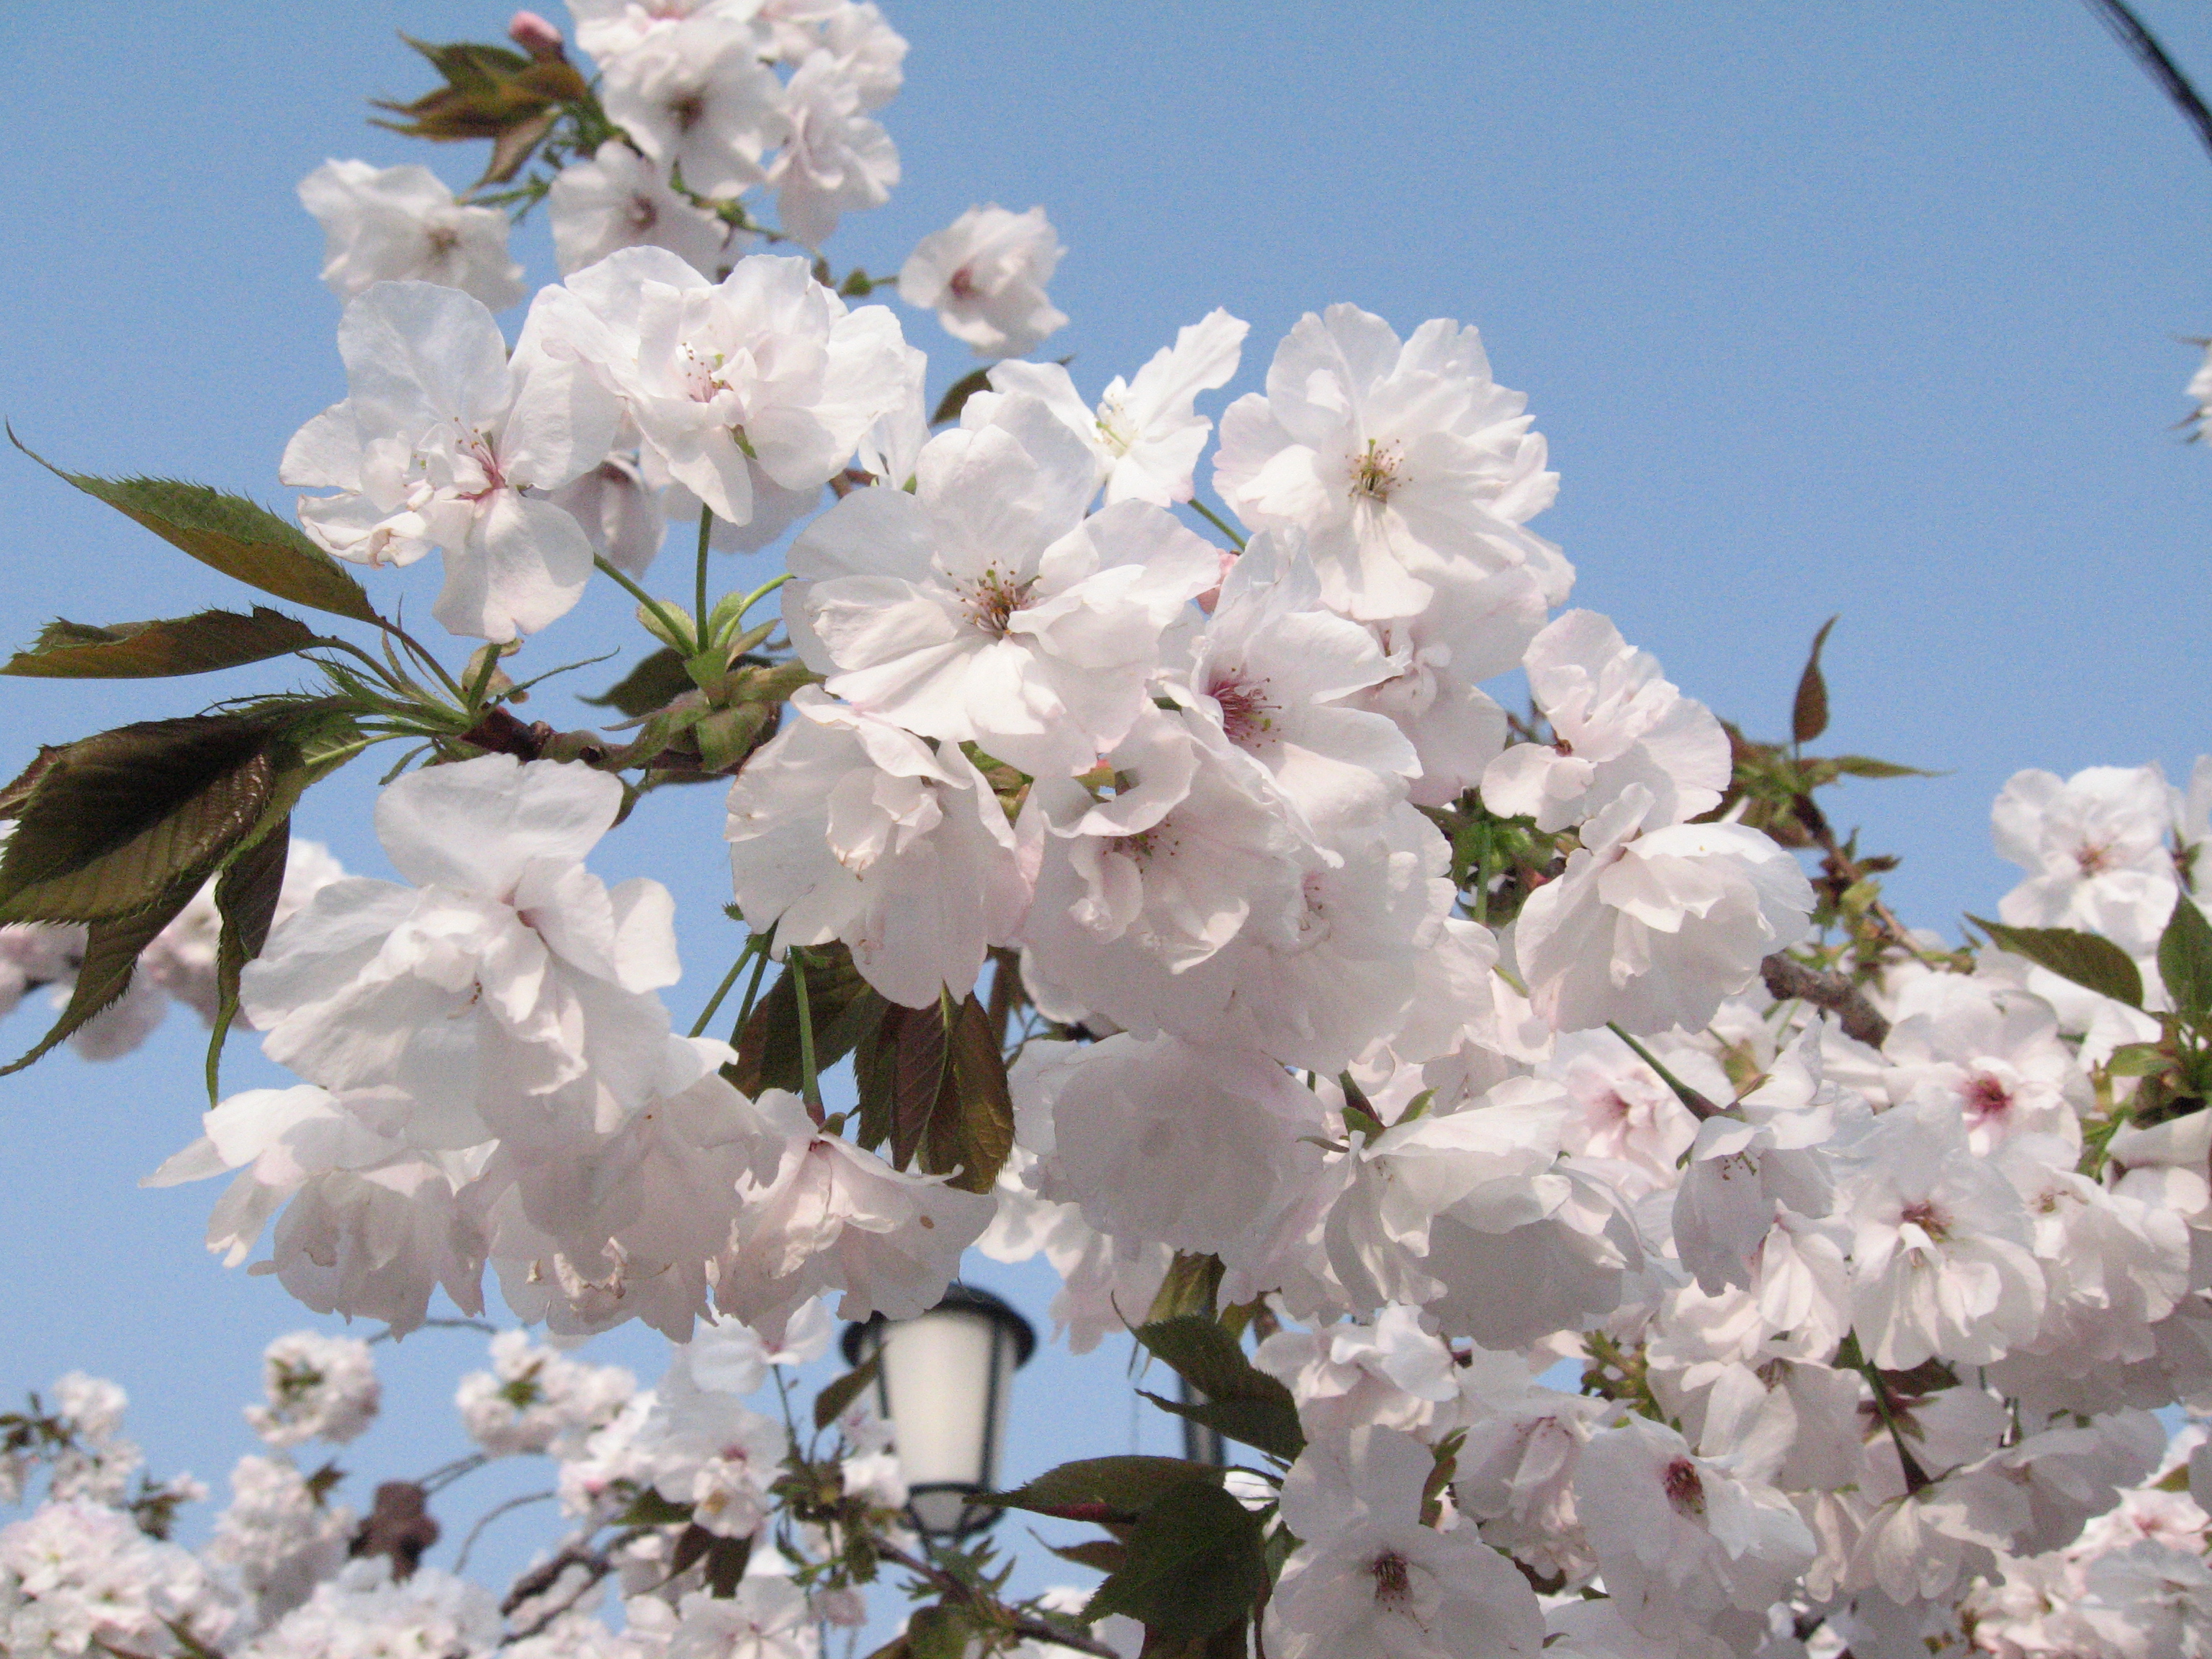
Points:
[[946, 1382]]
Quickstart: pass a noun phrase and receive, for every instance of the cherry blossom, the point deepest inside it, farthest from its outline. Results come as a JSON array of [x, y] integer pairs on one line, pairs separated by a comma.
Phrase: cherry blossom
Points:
[[1394, 457], [402, 225], [1145, 432], [984, 607], [437, 446], [766, 368], [621, 198], [984, 276]]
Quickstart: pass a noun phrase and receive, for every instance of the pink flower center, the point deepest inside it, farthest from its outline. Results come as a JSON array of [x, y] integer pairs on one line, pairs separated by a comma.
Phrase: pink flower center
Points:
[[1247, 712], [1923, 1213], [1685, 1491], [963, 284], [1393, 1587], [1985, 1098]]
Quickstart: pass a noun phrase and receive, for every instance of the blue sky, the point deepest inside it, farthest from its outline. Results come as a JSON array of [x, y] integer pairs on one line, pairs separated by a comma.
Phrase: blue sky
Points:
[[1825, 308]]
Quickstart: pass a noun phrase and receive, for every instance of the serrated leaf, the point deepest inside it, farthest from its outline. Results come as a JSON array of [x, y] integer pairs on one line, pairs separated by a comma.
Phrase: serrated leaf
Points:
[[2086, 958], [656, 681], [1240, 1400], [245, 895], [768, 1053], [240, 538], [2185, 960], [662, 619], [1104, 1488], [982, 1133], [1196, 1564], [1099, 1555], [932, 1083], [957, 395], [830, 1403], [198, 644], [1809, 715], [111, 956], [112, 819], [1269, 1428]]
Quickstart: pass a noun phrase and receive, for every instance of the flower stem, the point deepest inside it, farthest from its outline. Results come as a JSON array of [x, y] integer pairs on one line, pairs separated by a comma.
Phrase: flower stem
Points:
[[723, 989], [667, 618], [810, 1078], [706, 530], [1216, 520]]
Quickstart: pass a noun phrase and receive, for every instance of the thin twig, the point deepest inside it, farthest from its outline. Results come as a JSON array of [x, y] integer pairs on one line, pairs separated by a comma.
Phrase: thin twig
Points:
[[461, 1561], [2141, 45], [997, 1610]]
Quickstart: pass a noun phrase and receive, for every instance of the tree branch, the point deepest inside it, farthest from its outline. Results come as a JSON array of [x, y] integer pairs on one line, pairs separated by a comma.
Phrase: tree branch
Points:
[[1790, 981], [2141, 45]]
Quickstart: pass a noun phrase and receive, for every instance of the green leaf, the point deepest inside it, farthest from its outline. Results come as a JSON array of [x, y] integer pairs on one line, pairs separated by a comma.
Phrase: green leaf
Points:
[[830, 1403], [111, 956], [939, 1632], [1809, 715], [656, 681], [726, 1560], [245, 895], [842, 1002], [1099, 1555], [1104, 1488], [2185, 960], [2085, 958], [649, 1509], [726, 736], [957, 395], [1864, 766], [1196, 1564], [1193, 1285], [932, 1083], [112, 820], [1272, 1429], [238, 537], [198, 644], [2138, 1060], [1240, 1400]]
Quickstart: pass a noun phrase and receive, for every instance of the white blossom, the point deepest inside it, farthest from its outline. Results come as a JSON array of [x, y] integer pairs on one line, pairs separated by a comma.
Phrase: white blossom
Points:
[[984, 276], [402, 225], [847, 828], [621, 198], [1146, 433], [1394, 458], [984, 607], [318, 1388], [437, 446], [1368, 1578], [764, 374]]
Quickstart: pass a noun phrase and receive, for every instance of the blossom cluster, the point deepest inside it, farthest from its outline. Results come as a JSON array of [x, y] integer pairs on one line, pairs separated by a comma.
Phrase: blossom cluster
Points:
[[1658, 1248], [286, 1569]]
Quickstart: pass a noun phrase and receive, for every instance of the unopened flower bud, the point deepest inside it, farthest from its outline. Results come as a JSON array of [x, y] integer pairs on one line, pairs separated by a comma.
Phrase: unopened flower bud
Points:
[[540, 39]]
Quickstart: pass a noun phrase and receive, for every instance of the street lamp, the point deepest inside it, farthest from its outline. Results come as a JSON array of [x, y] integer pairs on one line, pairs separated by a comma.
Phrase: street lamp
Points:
[[946, 1380]]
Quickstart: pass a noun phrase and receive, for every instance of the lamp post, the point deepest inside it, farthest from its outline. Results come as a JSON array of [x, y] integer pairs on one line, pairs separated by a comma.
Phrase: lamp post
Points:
[[945, 1385]]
